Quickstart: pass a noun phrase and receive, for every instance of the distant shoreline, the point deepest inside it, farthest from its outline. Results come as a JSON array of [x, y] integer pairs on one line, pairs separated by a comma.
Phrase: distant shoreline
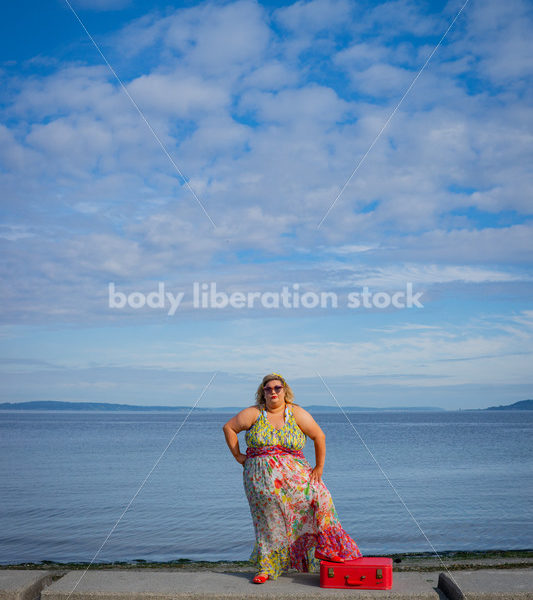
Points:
[[52, 405], [109, 407]]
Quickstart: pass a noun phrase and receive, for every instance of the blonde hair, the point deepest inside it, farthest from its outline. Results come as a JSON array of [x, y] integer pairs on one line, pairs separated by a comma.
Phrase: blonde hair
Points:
[[260, 394]]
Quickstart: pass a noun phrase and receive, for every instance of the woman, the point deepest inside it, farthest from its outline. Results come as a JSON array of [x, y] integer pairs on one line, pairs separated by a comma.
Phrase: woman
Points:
[[292, 510]]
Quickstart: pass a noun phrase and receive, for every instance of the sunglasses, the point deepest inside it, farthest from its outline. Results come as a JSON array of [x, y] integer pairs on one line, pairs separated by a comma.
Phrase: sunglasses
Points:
[[276, 388]]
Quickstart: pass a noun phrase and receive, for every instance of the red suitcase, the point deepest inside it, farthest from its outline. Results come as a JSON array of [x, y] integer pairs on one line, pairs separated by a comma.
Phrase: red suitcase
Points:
[[366, 573]]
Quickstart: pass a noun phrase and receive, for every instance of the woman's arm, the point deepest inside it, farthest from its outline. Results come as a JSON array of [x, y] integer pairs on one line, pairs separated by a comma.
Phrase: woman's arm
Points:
[[240, 422], [312, 430]]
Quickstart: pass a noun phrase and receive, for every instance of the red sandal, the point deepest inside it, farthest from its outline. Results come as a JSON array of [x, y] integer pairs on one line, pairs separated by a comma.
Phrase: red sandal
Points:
[[261, 578], [333, 558]]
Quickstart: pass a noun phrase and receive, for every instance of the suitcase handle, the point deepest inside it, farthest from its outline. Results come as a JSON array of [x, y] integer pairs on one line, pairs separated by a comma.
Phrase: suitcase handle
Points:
[[349, 581]]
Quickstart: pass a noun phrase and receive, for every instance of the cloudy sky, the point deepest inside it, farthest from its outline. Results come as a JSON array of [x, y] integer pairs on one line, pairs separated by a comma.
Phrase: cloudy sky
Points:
[[364, 214]]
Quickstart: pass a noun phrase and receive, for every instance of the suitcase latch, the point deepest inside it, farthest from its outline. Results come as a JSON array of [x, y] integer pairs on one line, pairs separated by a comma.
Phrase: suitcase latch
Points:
[[331, 572], [379, 573]]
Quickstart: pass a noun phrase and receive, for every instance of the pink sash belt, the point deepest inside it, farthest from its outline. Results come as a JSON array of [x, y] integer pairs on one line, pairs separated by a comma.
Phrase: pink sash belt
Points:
[[273, 451]]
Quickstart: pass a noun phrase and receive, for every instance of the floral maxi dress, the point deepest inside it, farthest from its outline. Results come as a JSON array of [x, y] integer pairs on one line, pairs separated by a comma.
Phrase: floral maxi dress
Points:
[[291, 515]]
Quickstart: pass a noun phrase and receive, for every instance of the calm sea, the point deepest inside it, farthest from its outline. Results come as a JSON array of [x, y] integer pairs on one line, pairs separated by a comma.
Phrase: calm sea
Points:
[[66, 478]]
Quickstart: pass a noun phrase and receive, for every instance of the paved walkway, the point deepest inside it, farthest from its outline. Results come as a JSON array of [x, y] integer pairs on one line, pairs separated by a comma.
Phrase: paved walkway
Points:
[[159, 584]]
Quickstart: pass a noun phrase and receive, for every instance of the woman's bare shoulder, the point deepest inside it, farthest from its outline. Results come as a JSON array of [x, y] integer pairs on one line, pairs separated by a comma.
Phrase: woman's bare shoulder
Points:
[[251, 410], [243, 420], [248, 416], [302, 416], [306, 423]]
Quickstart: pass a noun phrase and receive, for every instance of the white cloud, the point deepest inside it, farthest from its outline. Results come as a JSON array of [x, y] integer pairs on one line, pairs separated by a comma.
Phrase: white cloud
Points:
[[14, 156], [314, 16], [313, 105], [361, 55], [138, 36], [396, 17], [69, 90], [76, 144], [15, 232], [219, 38], [350, 249], [511, 245], [179, 94], [498, 35], [217, 134], [381, 79], [344, 275], [272, 75]]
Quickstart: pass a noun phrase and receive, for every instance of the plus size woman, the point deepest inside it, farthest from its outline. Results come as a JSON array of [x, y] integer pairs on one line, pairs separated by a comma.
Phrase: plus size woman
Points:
[[294, 518]]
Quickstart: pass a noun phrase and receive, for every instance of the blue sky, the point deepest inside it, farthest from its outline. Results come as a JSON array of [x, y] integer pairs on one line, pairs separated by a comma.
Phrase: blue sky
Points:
[[266, 109]]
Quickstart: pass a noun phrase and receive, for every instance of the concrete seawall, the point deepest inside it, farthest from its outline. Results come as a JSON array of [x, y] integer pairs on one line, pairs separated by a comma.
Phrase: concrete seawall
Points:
[[480, 579]]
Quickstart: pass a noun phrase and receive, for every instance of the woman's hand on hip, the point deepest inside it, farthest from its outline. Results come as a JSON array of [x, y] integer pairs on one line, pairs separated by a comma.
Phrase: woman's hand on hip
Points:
[[316, 475], [241, 458]]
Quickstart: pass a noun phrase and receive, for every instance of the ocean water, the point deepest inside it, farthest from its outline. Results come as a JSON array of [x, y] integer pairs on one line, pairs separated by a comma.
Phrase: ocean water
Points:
[[420, 480]]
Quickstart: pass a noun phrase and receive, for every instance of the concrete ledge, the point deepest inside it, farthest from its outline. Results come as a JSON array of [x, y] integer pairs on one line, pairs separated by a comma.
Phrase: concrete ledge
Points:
[[496, 584], [23, 585], [159, 584], [164, 585]]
